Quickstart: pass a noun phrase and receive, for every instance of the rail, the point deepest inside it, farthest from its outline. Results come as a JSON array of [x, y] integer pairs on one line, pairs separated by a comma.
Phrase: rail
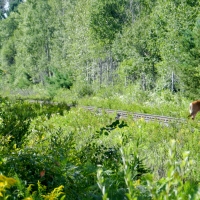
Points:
[[120, 114]]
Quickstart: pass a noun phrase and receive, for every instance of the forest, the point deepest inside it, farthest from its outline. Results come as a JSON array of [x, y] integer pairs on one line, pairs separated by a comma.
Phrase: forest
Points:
[[133, 55], [150, 43]]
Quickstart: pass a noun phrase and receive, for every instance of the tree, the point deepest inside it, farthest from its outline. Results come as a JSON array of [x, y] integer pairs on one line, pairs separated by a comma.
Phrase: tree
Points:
[[138, 53], [107, 19], [8, 6], [175, 22], [34, 42], [8, 49]]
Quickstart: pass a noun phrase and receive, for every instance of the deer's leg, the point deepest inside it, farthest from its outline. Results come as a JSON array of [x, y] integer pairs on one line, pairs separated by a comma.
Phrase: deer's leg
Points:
[[192, 115]]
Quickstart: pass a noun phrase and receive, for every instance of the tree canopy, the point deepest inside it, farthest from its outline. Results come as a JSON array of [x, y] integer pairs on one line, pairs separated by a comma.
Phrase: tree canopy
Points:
[[152, 43]]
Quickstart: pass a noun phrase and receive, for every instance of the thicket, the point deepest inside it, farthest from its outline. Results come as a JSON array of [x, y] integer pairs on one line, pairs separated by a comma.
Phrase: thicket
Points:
[[77, 154]]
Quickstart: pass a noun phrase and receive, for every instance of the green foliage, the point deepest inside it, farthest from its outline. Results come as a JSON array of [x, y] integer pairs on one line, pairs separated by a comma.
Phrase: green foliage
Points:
[[151, 44], [61, 80], [83, 90], [16, 117], [176, 184], [95, 156], [14, 4], [133, 99], [107, 19], [8, 52]]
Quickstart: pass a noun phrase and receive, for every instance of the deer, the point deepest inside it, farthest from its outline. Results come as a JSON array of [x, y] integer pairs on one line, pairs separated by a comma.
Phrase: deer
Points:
[[194, 109]]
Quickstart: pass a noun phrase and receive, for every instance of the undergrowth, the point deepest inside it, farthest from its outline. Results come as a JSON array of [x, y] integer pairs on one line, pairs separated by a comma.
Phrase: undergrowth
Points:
[[72, 153], [52, 151]]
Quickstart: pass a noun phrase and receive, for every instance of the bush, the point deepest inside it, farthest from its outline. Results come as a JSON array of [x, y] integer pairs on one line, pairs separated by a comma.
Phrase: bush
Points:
[[95, 156]]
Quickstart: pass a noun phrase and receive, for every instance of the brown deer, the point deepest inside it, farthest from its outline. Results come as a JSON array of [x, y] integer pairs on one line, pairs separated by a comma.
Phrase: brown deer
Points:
[[194, 109]]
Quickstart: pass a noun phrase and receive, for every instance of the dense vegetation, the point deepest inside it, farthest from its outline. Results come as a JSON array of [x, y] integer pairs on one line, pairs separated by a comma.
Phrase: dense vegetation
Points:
[[52, 152], [134, 55], [52, 44]]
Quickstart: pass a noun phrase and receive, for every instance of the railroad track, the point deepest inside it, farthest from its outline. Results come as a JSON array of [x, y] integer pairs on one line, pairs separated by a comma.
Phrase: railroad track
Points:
[[120, 114]]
